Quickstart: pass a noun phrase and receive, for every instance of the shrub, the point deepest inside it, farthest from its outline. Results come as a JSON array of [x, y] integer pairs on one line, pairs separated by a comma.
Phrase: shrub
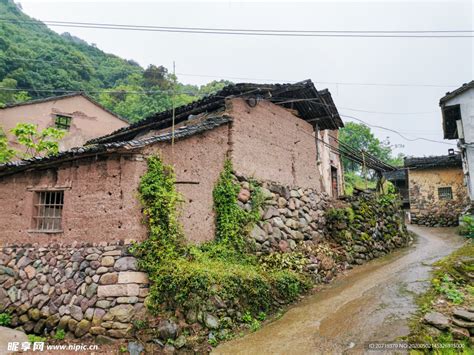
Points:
[[5, 319], [466, 226], [188, 277], [60, 334]]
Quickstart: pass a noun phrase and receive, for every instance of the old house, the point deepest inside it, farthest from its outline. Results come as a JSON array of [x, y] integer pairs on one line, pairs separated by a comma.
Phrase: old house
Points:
[[82, 117], [437, 193], [399, 180], [457, 108], [276, 133]]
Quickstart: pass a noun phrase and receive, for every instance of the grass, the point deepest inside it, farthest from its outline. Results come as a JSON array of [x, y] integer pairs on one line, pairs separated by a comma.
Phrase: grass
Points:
[[450, 287]]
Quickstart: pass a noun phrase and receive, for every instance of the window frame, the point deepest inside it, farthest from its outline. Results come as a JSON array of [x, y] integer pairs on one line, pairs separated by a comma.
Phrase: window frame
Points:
[[444, 191], [62, 125], [45, 201]]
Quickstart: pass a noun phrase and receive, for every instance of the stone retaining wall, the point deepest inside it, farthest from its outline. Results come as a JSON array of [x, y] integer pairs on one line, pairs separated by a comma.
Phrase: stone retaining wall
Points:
[[291, 216], [87, 290]]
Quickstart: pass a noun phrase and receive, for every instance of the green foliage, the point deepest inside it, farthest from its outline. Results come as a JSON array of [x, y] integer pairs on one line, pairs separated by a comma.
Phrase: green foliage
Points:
[[294, 261], [451, 281], [45, 142], [446, 287], [466, 226], [34, 57], [6, 153], [186, 277], [32, 338], [360, 137], [5, 319], [233, 222], [60, 334]]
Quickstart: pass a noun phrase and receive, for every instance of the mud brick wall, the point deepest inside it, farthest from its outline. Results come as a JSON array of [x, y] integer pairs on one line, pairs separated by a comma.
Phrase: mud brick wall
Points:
[[426, 207], [87, 290]]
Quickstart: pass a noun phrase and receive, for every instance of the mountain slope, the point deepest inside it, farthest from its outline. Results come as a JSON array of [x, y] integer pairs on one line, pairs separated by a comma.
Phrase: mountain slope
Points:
[[43, 63]]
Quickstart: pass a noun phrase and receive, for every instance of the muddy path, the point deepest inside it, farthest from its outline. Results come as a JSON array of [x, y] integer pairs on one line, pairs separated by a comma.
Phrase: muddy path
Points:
[[370, 303]]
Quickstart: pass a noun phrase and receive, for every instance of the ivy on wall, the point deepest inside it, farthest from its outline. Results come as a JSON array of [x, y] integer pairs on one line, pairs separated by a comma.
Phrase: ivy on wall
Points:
[[185, 278]]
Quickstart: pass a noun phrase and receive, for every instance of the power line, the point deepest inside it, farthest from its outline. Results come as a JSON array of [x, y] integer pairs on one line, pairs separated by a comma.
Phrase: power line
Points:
[[258, 32], [147, 92], [168, 91], [364, 122], [245, 78]]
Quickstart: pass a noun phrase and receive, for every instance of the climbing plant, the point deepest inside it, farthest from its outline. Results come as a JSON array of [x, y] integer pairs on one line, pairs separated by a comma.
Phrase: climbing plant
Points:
[[185, 277], [232, 221]]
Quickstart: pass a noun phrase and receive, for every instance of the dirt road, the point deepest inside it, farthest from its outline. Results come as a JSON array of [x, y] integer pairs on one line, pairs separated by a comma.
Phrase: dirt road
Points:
[[371, 303]]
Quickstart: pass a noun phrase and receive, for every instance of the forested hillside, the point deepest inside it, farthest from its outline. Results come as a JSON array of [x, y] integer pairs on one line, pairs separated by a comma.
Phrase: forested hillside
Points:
[[37, 62]]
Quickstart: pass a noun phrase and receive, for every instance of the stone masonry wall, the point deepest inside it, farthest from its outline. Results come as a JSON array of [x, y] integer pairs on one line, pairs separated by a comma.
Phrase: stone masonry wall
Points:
[[291, 216], [426, 208], [87, 290]]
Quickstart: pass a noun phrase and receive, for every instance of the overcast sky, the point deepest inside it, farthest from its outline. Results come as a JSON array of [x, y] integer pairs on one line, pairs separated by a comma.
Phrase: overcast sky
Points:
[[411, 109]]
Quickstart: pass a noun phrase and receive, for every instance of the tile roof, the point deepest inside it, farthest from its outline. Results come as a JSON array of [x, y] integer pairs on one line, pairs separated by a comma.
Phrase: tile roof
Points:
[[97, 149], [441, 161], [312, 105], [61, 97], [454, 93]]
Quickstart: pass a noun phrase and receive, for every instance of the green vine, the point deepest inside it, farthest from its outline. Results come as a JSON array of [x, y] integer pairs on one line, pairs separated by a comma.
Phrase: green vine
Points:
[[187, 277], [232, 221]]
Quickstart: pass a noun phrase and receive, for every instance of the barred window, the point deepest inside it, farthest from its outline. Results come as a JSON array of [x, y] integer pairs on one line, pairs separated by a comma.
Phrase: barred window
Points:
[[63, 122], [445, 193], [48, 211]]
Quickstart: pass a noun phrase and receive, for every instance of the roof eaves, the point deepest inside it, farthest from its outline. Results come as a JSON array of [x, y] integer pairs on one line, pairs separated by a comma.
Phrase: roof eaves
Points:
[[99, 149]]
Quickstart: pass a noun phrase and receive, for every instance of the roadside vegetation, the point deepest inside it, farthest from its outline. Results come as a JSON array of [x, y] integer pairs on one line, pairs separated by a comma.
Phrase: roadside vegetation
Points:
[[466, 226], [445, 317], [218, 283]]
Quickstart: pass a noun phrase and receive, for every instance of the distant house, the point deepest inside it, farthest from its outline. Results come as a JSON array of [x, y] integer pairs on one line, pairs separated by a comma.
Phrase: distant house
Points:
[[399, 179], [276, 134], [82, 117], [437, 193], [457, 108]]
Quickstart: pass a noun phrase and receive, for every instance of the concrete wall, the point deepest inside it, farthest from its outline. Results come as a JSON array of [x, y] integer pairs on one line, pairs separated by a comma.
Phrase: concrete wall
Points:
[[425, 205], [88, 120], [270, 143], [466, 103]]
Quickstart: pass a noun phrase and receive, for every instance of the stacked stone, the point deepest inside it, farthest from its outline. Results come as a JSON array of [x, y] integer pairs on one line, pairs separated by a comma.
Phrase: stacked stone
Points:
[[290, 216], [436, 219], [460, 323], [87, 290]]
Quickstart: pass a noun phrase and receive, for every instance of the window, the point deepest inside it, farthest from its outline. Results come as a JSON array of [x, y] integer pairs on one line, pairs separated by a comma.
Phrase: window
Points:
[[47, 216], [445, 193], [63, 122]]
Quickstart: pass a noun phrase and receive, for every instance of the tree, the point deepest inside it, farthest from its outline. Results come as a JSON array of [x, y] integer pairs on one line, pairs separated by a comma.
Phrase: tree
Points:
[[359, 136], [36, 143]]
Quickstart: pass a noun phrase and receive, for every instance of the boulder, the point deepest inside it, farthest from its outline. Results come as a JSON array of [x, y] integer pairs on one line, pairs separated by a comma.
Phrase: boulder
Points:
[[109, 278], [167, 329], [211, 321], [126, 263], [437, 320], [463, 313], [82, 328], [122, 313]]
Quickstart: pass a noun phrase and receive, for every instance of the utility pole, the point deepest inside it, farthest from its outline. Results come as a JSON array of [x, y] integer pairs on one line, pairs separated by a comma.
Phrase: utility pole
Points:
[[173, 109]]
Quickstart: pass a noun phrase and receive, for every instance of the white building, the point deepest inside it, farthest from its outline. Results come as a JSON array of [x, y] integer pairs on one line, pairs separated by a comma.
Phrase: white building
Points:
[[457, 108]]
